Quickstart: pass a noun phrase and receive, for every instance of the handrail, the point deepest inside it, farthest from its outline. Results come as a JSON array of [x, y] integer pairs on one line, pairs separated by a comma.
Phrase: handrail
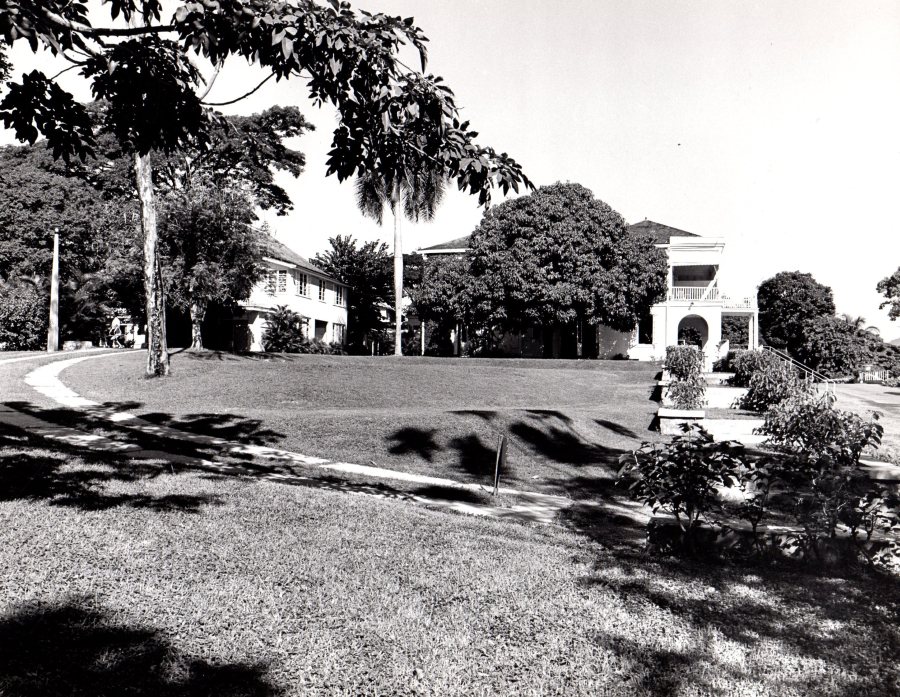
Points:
[[814, 374]]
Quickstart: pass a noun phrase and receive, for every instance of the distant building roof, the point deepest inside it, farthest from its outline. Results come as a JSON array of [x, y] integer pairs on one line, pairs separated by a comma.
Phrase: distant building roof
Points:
[[274, 249], [659, 233], [458, 243]]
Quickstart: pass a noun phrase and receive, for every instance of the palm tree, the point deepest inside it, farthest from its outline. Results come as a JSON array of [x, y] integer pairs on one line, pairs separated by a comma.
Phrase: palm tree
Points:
[[420, 190]]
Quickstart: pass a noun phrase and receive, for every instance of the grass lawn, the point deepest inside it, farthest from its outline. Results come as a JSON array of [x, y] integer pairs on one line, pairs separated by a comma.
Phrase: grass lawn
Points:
[[568, 421], [121, 578]]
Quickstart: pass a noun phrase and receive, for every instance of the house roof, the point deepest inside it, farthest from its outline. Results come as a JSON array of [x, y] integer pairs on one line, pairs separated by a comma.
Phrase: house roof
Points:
[[458, 243], [659, 233], [274, 249]]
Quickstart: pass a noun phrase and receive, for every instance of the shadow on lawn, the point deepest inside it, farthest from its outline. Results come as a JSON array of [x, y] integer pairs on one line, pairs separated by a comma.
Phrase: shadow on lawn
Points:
[[71, 648], [788, 608], [44, 472]]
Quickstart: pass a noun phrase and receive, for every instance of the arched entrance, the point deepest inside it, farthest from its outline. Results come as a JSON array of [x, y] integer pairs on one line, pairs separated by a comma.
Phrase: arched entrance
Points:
[[694, 330]]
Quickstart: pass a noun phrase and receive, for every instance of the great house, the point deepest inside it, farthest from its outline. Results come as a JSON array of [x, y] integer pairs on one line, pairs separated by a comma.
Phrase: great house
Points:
[[291, 280]]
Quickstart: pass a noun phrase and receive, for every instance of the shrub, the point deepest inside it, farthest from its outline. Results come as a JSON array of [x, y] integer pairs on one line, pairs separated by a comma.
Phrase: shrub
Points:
[[820, 448], [283, 332], [772, 382], [23, 318], [686, 387], [746, 363], [683, 476]]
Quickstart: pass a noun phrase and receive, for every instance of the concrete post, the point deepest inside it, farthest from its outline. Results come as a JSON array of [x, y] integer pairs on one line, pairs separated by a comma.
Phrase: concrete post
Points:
[[53, 330]]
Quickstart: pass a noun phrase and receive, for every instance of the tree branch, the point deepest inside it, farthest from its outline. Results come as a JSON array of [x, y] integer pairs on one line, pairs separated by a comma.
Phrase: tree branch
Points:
[[106, 31], [243, 96], [212, 80]]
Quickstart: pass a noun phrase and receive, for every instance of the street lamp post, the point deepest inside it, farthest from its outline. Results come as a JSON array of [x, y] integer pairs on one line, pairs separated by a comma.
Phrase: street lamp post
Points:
[[53, 330]]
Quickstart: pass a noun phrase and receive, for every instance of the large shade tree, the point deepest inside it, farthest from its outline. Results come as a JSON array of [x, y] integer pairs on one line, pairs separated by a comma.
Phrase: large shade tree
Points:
[[366, 270], [788, 302], [144, 66], [560, 258]]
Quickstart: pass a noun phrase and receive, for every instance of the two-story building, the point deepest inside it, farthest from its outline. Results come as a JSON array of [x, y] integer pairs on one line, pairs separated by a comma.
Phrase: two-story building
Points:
[[695, 304], [695, 300], [291, 280]]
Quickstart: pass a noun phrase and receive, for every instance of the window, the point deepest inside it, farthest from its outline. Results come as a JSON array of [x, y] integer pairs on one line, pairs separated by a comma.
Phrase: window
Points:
[[281, 282], [340, 331], [301, 284], [304, 326], [338, 295], [321, 290]]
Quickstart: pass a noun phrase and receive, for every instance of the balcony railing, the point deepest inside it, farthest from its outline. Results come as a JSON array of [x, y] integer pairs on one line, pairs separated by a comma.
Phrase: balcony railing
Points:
[[711, 295]]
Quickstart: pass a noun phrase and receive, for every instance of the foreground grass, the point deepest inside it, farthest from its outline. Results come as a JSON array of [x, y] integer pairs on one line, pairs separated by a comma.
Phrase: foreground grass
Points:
[[121, 579], [567, 421]]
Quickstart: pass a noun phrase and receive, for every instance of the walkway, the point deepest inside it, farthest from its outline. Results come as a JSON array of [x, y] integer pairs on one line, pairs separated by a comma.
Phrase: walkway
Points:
[[270, 463]]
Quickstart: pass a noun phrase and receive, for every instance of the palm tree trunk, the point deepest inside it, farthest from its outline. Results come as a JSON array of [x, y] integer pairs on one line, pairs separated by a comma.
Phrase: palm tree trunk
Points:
[[198, 312], [155, 303], [398, 273]]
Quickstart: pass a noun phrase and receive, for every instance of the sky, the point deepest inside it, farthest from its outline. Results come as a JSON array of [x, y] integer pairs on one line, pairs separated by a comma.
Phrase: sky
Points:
[[774, 125]]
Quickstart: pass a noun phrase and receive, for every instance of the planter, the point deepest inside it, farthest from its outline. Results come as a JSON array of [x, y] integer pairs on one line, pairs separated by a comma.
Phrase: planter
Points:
[[670, 420]]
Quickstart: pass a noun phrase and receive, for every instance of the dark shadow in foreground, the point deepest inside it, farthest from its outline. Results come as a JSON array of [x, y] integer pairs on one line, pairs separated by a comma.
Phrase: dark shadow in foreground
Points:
[[74, 649]]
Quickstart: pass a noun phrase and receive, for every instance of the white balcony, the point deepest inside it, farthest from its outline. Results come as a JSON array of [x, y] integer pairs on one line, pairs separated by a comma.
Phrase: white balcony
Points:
[[712, 296]]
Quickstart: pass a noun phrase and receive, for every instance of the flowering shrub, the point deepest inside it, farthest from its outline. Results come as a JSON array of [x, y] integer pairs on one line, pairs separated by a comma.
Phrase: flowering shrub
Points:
[[745, 364], [773, 383]]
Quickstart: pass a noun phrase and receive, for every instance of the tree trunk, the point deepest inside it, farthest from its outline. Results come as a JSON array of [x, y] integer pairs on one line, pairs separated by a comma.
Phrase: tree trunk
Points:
[[398, 274], [155, 302], [198, 313]]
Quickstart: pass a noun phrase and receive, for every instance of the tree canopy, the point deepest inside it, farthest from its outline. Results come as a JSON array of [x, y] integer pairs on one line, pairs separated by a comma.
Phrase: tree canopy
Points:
[[559, 256], [890, 288], [366, 270], [787, 303]]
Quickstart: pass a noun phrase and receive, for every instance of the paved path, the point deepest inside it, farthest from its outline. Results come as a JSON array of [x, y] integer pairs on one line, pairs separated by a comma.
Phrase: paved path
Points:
[[232, 457]]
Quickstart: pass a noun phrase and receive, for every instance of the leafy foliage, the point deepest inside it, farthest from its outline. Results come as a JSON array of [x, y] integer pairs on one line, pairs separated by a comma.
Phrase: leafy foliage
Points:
[[687, 387], [736, 331], [889, 287], [822, 446], [444, 297], [283, 332], [366, 269], [23, 317], [834, 346], [747, 363], [787, 302], [772, 382], [682, 477], [558, 256]]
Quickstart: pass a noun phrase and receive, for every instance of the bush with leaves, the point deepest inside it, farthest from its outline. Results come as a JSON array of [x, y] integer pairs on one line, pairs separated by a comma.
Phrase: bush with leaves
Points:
[[683, 477], [687, 387], [23, 317], [820, 447], [283, 332], [772, 382], [745, 364]]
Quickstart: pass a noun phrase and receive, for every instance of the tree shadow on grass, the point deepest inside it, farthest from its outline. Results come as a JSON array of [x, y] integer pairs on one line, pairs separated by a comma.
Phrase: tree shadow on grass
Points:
[[476, 458], [30, 470], [829, 621], [558, 442], [418, 441], [616, 428], [73, 649]]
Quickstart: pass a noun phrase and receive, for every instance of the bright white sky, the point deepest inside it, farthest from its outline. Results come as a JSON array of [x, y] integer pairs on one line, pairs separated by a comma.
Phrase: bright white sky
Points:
[[775, 125]]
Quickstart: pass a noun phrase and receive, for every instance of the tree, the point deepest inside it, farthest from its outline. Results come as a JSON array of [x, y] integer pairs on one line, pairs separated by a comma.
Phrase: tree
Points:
[[561, 258], [890, 288], [444, 295], [736, 330], [366, 270], [145, 69], [420, 189], [834, 346], [787, 303], [283, 332], [210, 252]]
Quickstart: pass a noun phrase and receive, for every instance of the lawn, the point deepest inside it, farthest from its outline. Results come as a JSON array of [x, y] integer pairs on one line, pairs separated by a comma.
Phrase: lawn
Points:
[[123, 578], [567, 421]]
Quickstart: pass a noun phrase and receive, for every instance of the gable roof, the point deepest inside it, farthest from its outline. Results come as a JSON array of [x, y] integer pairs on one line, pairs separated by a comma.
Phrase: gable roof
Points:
[[458, 243], [274, 249], [659, 233]]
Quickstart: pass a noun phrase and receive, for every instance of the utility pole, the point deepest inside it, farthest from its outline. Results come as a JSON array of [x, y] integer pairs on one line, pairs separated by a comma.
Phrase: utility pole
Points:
[[53, 330]]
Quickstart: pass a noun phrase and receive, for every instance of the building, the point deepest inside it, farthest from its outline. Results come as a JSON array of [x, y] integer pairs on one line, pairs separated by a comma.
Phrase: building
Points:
[[293, 281], [695, 304], [695, 300]]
